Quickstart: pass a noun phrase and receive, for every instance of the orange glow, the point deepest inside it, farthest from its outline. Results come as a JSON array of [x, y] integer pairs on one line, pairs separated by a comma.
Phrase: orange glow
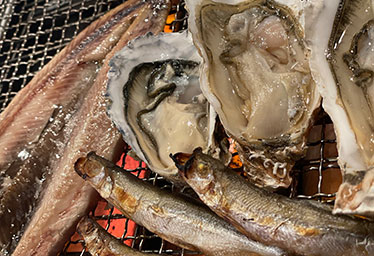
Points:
[[116, 226], [235, 163], [169, 20], [75, 247]]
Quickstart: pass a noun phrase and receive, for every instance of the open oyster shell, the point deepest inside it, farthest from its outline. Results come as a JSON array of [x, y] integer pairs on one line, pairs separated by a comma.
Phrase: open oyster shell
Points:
[[256, 75], [156, 101], [346, 79]]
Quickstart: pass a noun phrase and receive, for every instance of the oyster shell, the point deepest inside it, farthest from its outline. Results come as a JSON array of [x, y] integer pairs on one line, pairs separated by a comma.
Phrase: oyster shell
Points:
[[256, 75], [156, 101], [346, 77]]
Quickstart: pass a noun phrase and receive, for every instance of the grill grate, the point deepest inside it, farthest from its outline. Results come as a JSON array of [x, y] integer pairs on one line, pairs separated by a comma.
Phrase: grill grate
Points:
[[33, 31]]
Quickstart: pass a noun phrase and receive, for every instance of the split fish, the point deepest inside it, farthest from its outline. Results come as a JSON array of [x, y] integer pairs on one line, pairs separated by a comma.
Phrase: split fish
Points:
[[57, 118]]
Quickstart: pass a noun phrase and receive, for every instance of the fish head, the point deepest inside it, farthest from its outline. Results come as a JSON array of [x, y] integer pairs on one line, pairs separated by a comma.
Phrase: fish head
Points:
[[196, 169], [91, 169], [86, 226]]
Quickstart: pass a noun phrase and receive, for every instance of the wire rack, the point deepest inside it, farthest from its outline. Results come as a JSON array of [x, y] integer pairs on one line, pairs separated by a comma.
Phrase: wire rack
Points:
[[33, 31]]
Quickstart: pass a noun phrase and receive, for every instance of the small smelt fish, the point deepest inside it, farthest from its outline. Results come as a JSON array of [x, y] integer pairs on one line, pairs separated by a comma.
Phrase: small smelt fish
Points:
[[170, 216], [299, 227], [99, 242]]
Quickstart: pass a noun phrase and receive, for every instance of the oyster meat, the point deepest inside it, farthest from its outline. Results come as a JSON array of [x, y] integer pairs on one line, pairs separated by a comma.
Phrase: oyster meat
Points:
[[346, 77], [257, 77], [156, 101]]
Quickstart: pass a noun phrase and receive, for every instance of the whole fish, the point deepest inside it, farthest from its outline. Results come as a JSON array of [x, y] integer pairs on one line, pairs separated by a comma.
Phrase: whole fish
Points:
[[299, 227], [57, 118], [98, 242], [170, 216]]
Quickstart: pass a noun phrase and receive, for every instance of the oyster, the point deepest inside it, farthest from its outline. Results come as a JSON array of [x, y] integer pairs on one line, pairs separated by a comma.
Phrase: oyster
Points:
[[348, 97], [156, 101], [256, 75]]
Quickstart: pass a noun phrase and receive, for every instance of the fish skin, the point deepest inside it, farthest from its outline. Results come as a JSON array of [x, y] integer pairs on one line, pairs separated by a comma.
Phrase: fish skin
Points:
[[170, 216], [16, 127], [22, 183], [98, 242], [66, 198], [52, 99], [299, 227]]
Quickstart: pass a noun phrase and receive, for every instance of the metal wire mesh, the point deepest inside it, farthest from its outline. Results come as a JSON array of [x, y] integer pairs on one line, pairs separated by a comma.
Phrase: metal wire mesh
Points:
[[33, 31], [317, 176]]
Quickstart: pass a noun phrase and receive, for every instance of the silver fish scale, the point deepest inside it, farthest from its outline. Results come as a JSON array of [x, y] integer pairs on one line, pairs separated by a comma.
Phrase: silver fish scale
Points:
[[33, 31]]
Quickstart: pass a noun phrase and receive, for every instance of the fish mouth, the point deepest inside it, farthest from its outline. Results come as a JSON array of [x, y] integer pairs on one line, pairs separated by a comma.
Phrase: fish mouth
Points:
[[86, 168], [183, 162], [79, 167]]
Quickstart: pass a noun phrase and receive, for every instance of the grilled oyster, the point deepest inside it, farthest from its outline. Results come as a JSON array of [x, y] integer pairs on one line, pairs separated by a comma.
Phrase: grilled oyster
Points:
[[156, 101], [348, 97], [256, 75]]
